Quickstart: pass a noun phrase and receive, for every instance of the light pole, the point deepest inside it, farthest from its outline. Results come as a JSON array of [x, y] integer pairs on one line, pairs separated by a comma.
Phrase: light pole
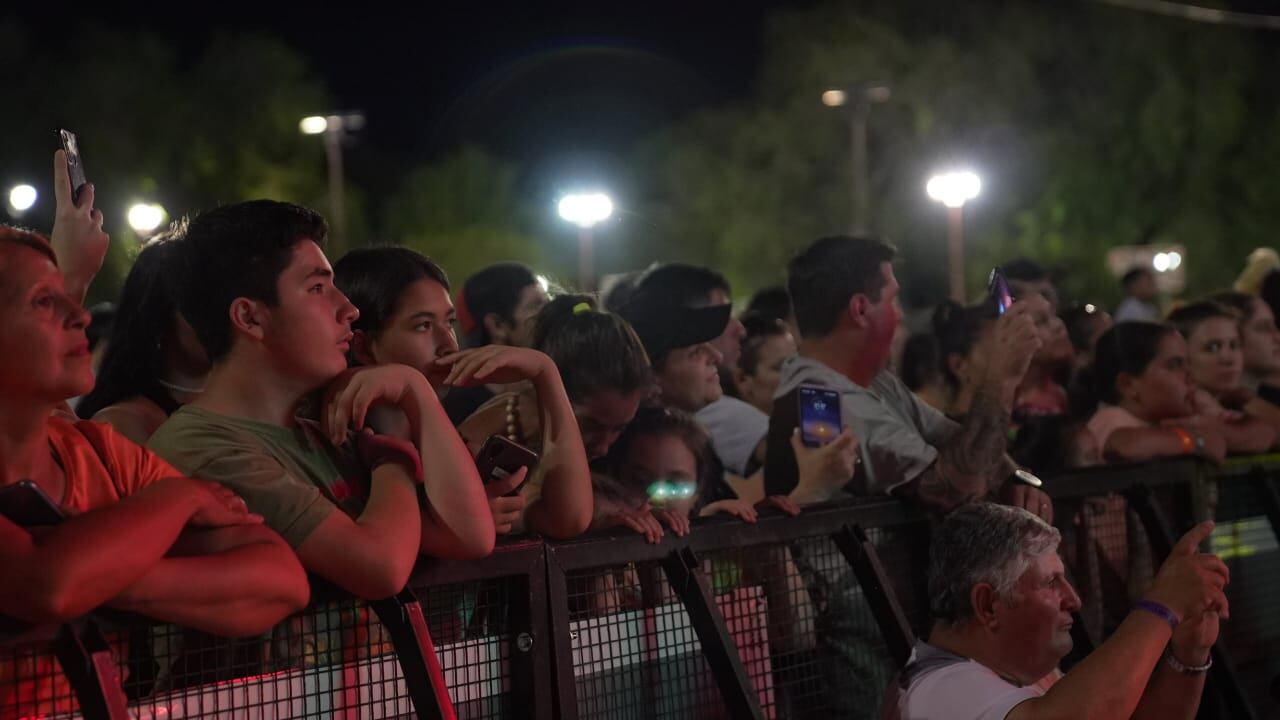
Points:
[[585, 210], [333, 127], [954, 189], [859, 99]]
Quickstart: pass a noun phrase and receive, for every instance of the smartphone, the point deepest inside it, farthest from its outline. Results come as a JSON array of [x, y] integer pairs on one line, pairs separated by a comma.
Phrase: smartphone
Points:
[[998, 290], [819, 415], [75, 164], [499, 457], [25, 504]]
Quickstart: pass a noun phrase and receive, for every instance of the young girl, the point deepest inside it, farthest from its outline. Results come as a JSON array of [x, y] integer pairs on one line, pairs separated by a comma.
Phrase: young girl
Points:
[[1146, 406], [154, 364], [406, 317], [1216, 361]]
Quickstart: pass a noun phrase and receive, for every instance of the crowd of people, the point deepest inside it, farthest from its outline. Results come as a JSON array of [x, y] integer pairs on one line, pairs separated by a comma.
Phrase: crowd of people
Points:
[[257, 414]]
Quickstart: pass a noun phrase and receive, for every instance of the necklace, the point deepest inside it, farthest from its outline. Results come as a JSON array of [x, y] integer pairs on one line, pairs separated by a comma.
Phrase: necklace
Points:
[[514, 433]]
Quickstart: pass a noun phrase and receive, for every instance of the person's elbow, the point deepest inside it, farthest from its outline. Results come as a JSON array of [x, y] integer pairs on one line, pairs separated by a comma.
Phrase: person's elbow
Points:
[[49, 600]]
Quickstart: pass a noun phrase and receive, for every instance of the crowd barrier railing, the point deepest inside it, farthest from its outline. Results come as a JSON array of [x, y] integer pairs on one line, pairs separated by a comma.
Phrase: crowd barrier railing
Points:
[[789, 617]]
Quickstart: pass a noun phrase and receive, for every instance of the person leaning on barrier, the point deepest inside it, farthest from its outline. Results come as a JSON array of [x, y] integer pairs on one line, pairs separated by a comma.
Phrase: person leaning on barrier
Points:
[[138, 536], [1002, 608], [846, 304]]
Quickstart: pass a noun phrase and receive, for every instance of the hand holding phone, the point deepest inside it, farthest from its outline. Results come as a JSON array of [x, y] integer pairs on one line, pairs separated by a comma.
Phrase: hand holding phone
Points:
[[998, 290], [499, 458], [78, 239]]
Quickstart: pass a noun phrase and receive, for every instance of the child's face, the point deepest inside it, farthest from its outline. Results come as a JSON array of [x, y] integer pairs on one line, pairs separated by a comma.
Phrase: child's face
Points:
[[421, 331], [653, 459], [1214, 355], [1163, 390]]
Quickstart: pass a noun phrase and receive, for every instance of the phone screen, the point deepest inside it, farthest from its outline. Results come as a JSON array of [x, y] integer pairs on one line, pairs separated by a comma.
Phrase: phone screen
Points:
[[819, 415], [998, 289], [75, 164]]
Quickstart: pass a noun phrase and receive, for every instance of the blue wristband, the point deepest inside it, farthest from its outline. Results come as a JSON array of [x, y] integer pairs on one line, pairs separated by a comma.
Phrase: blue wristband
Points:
[[1159, 611]]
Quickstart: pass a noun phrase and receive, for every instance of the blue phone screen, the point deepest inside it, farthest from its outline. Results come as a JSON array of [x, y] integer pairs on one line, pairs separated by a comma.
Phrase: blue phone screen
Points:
[[819, 416]]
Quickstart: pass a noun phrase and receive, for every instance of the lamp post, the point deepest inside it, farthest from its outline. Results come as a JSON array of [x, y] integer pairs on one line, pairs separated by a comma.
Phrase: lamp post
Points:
[[585, 210], [333, 127], [858, 99], [954, 189]]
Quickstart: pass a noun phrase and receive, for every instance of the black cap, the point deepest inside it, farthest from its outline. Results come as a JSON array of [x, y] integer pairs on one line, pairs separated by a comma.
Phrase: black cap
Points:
[[664, 326]]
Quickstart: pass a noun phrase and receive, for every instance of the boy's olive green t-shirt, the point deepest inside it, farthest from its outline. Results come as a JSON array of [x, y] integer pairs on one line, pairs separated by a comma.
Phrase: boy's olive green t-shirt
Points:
[[292, 477]]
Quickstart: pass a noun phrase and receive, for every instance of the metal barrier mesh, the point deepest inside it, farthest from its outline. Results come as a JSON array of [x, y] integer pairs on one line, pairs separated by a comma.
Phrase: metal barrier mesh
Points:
[[822, 654], [470, 624], [32, 684], [1107, 552], [333, 659], [1245, 540], [635, 652]]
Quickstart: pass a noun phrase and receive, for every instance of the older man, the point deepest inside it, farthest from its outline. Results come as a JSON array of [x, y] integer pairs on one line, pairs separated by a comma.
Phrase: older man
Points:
[[1002, 610]]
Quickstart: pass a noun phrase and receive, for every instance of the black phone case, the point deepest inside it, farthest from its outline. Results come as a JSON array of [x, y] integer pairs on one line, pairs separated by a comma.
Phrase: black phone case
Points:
[[75, 164], [499, 457], [25, 504]]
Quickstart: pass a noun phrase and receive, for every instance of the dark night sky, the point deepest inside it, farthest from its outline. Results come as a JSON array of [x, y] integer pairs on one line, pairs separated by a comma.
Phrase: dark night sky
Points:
[[563, 88]]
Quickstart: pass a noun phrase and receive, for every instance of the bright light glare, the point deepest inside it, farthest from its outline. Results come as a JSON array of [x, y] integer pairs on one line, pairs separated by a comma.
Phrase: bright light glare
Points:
[[1091, 308], [313, 125], [1160, 262], [22, 197], [954, 189], [1175, 259], [543, 283], [834, 98], [145, 217], [585, 210]]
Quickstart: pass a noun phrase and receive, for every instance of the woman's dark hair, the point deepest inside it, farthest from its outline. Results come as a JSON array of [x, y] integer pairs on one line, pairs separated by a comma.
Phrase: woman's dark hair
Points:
[[957, 328], [374, 279], [594, 350], [1046, 445], [1188, 317], [1238, 302], [771, 302], [920, 362], [663, 421], [144, 324], [1128, 347], [494, 290], [760, 328]]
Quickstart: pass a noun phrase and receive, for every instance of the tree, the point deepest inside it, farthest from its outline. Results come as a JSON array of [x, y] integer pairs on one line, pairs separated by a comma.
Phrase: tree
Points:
[[189, 135], [1129, 129], [465, 212]]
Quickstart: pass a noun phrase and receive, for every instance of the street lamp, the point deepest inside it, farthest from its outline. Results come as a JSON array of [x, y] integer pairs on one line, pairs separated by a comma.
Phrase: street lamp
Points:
[[144, 218], [333, 127], [21, 198], [859, 99], [954, 189], [585, 210]]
